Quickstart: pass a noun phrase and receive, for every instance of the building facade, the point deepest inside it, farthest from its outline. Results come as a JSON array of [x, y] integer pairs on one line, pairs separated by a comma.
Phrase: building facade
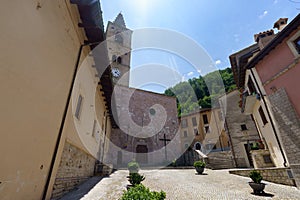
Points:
[[203, 130], [52, 134], [240, 128], [268, 76]]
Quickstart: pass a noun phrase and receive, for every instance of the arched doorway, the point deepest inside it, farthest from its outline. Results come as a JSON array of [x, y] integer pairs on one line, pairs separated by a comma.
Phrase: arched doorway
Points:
[[198, 146], [141, 156]]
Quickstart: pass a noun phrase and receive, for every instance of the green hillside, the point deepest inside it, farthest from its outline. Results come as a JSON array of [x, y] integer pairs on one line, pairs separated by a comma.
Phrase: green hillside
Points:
[[194, 93]]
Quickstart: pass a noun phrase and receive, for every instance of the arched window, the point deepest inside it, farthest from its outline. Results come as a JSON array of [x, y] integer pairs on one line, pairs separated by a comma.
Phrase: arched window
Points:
[[119, 60], [114, 58]]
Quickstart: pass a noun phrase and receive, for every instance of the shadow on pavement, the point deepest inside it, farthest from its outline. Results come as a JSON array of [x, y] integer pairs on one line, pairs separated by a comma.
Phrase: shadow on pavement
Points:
[[263, 194], [201, 174], [82, 189]]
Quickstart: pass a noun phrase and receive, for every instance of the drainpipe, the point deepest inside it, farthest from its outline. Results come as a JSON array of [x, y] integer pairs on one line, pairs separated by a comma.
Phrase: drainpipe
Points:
[[59, 137], [104, 140], [269, 115]]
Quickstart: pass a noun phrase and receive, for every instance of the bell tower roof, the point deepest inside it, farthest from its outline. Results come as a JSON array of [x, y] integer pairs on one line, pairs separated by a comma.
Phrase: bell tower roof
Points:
[[120, 20]]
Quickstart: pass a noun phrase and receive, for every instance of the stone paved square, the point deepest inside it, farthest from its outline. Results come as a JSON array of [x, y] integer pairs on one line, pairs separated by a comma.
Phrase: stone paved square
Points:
[[182, 184]]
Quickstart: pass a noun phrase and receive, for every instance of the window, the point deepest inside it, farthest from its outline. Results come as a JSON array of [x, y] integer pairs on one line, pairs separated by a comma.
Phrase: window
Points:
[[78, 107], [119, 60], [194, 121], [205, 119], [244, 127], [262, 115], [220, 115], [294, 44], [184, 123], [186, 146], [114, 58], [297, 44], [207, 129], [251, 86], [94, 129], [152, 111], [185, 133], [196, 131]]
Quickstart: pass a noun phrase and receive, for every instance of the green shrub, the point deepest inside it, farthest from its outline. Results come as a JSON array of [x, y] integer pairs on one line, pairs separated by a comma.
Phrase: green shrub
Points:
[[133, 167], [199, 163], [135, 178], [255, 176], [140, 192]]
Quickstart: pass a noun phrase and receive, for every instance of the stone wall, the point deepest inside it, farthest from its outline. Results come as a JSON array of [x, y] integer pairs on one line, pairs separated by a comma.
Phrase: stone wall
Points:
[[144, 117], [220, 160], [75, 167], [275, 175], [261, 158], [289, 126]]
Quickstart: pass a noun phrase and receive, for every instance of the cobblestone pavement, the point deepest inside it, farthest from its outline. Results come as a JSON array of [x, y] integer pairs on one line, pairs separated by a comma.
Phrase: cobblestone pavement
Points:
[[186, 184]]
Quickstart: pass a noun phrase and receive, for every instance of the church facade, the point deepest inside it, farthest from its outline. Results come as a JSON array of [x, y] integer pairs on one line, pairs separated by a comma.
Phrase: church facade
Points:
[[147, 123]]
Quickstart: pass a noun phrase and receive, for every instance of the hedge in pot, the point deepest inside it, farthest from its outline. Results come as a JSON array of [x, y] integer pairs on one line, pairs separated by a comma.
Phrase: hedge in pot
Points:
[[133, 167], [136, 178], [199, 166], [139, 192], [256, 184]]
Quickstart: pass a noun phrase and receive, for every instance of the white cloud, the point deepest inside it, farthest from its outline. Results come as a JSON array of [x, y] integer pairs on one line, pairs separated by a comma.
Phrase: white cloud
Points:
[[264, 14], [275, 2], [218, 62], [190, 73]]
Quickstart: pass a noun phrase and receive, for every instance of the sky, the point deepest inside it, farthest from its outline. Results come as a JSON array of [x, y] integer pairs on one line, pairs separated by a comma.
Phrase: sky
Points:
[[220, 28]]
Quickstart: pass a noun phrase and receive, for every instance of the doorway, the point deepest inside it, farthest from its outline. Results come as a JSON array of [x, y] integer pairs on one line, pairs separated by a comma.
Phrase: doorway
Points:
[[142, 156]]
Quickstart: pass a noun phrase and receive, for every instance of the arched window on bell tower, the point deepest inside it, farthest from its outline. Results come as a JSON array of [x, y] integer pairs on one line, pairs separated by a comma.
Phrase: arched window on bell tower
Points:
[[119, 60], [114, 58]]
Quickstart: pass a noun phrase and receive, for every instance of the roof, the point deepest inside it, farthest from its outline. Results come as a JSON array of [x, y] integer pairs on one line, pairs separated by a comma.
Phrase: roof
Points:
[[238, 62], [92, 23], [120, 20], [293, 25]]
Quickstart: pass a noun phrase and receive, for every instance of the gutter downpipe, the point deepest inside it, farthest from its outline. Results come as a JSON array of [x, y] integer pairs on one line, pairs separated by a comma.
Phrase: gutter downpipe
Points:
[[269, 115], [59, 137]]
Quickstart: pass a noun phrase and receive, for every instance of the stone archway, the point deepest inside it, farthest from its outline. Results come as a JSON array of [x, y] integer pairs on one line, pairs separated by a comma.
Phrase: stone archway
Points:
[[142, 156]]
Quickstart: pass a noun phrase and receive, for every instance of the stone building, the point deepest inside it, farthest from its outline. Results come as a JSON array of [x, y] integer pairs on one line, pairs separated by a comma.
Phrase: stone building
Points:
[[240, 128], [142, 118], [268, 75], [54, 117], [204, 130]]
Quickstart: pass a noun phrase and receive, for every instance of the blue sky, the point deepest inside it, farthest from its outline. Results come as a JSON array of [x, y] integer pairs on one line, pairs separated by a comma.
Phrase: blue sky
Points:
[[219, 27]]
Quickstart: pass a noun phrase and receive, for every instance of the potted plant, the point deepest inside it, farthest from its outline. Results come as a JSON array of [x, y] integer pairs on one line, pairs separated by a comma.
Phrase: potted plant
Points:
[[136, 178], [256, 184], [133, 167], [199, 166]]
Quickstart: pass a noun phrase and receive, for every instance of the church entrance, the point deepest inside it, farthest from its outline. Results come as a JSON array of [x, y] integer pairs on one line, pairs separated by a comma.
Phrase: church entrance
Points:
[[142, 156]]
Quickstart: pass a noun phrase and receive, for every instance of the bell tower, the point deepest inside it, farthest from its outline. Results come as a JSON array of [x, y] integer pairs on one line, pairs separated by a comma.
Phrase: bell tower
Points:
[[119, 50]]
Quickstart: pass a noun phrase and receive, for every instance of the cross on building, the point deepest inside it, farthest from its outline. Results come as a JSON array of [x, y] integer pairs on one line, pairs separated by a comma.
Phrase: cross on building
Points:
[[165, 144]]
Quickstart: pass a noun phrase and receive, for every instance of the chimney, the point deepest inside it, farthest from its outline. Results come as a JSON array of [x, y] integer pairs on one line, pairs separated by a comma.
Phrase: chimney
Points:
[[263, 38], [280, 23], [264, 34]]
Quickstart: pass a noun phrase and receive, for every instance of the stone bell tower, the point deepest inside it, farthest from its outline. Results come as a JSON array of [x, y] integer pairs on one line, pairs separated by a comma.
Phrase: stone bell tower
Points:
[[119, 50]]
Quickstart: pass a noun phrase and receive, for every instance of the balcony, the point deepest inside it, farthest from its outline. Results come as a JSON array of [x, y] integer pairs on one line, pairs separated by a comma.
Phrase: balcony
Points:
[[248, 102]]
